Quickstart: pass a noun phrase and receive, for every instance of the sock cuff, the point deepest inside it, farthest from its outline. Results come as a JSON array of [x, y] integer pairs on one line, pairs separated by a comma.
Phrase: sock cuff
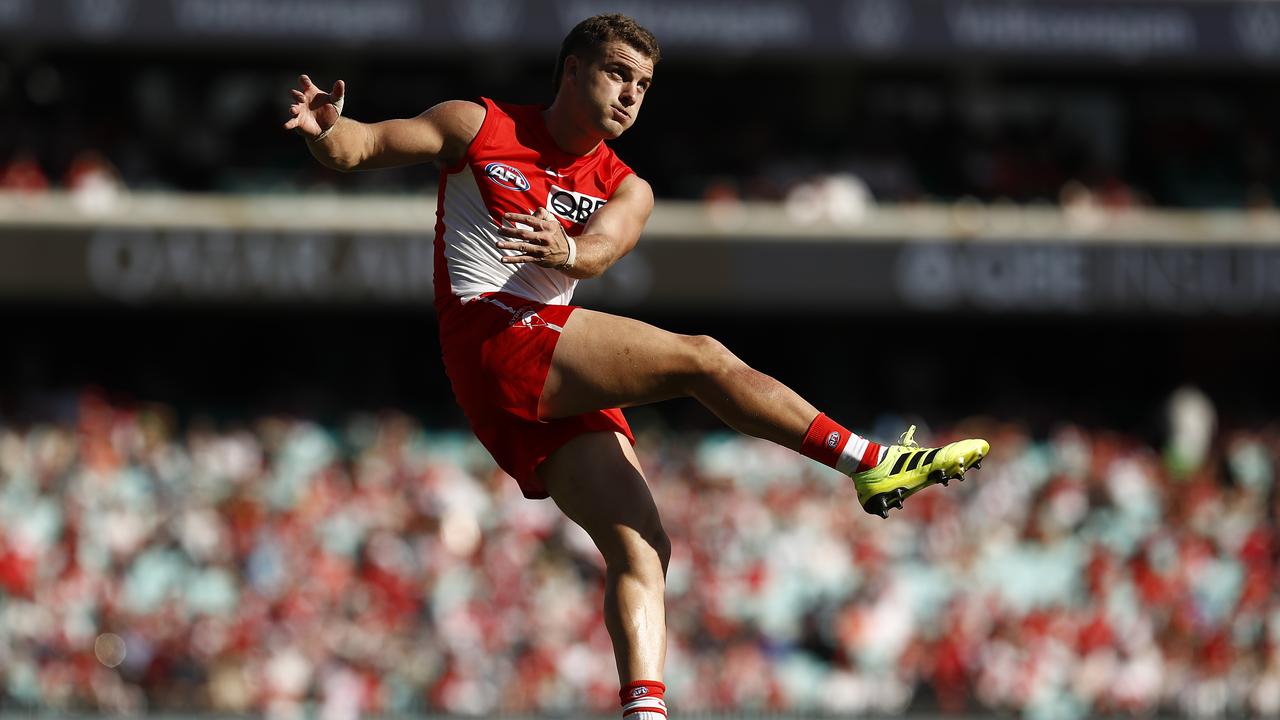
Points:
[[825, 440], [642, 700], [637, 689]]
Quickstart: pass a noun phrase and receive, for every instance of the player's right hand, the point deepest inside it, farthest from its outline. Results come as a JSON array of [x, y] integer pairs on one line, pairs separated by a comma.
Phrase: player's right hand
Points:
[[314, 110]]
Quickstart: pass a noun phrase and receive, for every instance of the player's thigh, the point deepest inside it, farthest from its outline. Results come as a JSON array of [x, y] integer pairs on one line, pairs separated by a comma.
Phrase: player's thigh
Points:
[[604, 361], [597, 482]]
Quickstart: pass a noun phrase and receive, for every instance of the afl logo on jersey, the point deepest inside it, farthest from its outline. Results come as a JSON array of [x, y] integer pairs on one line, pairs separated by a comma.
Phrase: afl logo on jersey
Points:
[[506, 176]]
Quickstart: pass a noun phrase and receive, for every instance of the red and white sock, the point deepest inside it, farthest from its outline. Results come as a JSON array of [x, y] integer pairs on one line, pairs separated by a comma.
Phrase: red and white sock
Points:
[[642, 700], [833, 446]]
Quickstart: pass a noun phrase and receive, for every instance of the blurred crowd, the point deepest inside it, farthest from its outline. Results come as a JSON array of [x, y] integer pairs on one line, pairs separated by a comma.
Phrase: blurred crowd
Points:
[[280, 566]]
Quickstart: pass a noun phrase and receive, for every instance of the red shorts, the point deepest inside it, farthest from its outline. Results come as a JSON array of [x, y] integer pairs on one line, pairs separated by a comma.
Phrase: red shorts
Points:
[[497, 351]]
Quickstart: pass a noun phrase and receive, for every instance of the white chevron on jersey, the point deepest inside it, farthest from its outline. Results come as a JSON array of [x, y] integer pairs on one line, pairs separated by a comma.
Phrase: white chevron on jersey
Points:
[[475, 262]]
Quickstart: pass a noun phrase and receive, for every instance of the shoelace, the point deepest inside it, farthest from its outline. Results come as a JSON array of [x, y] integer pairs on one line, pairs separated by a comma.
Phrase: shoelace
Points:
[[908, 438]]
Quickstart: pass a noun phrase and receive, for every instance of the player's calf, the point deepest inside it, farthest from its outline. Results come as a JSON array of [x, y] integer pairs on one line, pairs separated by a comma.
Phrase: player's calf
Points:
[[746, 399]]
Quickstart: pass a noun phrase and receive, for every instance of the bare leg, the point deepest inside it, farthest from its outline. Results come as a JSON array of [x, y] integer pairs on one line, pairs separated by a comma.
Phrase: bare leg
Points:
[[604, 361], [597, 482]]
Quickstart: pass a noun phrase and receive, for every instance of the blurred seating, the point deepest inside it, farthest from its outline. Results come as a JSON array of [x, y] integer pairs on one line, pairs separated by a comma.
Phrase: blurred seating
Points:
[[276, 565]]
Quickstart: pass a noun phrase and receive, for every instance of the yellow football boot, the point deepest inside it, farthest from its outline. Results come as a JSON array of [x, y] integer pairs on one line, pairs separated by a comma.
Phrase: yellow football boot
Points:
[[907, 468]]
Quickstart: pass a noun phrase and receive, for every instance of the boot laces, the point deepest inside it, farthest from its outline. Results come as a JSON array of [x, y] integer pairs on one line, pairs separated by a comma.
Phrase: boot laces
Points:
[[908, 438]]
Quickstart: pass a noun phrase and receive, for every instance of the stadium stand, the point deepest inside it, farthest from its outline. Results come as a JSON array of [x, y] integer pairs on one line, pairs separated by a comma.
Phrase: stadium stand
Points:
[[274, 563]]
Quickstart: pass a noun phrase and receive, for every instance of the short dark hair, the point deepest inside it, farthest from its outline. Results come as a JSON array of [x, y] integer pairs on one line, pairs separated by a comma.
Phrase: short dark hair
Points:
[[592, 34]]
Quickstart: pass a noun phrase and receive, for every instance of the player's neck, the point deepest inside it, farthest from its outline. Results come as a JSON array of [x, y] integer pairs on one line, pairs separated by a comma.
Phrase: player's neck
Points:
[[568, 136]]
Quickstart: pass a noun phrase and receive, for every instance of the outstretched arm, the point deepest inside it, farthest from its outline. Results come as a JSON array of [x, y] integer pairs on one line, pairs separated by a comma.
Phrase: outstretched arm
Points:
[[441, 134], [610, 233]]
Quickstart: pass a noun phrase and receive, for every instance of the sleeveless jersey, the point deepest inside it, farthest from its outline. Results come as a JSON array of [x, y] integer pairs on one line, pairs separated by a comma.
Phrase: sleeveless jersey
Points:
[[514, 165]]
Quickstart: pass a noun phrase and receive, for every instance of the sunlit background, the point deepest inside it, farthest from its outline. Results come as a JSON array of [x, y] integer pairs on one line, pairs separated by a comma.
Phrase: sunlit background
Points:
[[233, 479]]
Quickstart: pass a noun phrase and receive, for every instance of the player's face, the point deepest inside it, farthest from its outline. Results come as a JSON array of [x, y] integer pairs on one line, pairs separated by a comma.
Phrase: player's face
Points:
[[612, 86]]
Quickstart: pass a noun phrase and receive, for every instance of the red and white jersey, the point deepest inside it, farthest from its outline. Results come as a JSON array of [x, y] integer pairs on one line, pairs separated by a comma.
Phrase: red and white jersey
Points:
[[513, 165]]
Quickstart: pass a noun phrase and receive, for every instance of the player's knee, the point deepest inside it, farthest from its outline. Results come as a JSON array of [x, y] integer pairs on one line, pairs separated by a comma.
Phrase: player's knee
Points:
[[653, 544], [643, 551], [661, 545], [711, 357]]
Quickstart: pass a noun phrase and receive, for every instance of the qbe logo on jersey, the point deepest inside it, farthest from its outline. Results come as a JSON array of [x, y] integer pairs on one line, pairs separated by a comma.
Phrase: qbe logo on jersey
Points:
[[572, 206], [506, 176]]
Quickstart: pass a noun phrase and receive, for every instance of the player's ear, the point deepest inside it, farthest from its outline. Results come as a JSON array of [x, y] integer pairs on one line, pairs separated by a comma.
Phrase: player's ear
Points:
[[572, 65]]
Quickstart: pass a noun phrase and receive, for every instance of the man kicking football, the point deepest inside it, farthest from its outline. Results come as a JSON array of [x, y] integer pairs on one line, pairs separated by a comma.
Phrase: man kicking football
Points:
[[531, 200]]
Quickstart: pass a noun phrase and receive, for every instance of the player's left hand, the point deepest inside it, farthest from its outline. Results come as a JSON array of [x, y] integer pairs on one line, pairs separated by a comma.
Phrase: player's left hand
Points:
[[542, 242]]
